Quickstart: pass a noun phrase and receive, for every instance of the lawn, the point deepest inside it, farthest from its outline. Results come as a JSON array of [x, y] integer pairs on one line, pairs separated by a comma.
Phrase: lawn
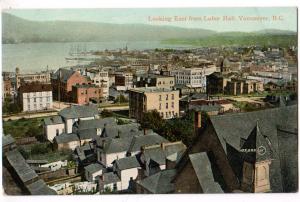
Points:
[[24, 127]]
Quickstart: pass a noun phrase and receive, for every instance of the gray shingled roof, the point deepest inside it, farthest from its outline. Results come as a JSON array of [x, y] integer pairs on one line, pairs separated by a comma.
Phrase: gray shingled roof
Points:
[[203, 170], [78, 111], [94, 167], [87, 134], [110, 177], [65, 138], [116, 145], [63, 74], [95, 123], [127, 130], [53, 120], [145, 140], [7, 139], [40, 188], [159, 183], [231, 128], [24, 171], [127, 163]]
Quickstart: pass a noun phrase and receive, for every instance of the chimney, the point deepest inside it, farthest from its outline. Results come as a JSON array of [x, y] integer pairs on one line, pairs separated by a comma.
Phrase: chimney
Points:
[[197, 120], [163, 145], [145, 131], [103, 143]]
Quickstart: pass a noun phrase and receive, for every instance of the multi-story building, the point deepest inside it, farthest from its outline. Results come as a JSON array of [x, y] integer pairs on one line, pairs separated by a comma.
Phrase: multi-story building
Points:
[[165, 101], [192, 77], [63, 80], [83, 93], [123, 80], [101, 79], [7, 90], [42, 77], [155, 80], [35, 97]]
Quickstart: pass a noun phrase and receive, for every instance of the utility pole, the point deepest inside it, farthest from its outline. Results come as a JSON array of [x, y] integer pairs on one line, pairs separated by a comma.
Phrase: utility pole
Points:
[[59, 80]]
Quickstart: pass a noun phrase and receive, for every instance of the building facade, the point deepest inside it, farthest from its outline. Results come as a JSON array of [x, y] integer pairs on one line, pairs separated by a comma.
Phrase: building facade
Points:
[[35, 97], [155, 80], [83, 93], [142, 100], [99, 78], [43, 77]]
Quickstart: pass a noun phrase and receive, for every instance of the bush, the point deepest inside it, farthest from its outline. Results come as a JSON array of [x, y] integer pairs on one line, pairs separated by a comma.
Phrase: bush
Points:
[[39, 149], [24, 153], [105, 113]]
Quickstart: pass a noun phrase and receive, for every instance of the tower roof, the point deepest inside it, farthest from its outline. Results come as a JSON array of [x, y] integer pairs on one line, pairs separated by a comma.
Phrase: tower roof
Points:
[[257, 146]]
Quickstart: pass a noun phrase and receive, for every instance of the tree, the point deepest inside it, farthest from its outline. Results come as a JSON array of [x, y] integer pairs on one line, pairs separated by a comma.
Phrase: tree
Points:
[[152, 120], [105, 113]]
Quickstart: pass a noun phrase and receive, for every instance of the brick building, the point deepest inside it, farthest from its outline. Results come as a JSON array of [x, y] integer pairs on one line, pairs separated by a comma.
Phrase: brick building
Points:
[[83, 93], [63, 80]]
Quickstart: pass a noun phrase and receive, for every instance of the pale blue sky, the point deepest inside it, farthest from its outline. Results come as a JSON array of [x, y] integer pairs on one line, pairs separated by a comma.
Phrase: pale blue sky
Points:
[[124, 15]]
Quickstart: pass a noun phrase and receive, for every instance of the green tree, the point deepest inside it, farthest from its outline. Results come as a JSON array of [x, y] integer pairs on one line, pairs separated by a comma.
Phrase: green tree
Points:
[[152, 120]]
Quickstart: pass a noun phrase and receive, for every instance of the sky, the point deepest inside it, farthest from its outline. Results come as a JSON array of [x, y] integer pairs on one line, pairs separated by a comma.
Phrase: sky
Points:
[[288, 17]]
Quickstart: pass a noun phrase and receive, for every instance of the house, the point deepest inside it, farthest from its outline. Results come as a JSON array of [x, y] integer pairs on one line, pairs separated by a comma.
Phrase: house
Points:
[[66, 141], [164, 101], [55, 165], [127, 170], [53, 126], [77, 113], [63, 80], [35, 97], [109, 181], [247, 152], [92, 171]]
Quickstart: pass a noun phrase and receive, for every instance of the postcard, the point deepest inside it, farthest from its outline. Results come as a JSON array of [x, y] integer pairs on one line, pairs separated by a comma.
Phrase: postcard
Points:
[[149, 101]]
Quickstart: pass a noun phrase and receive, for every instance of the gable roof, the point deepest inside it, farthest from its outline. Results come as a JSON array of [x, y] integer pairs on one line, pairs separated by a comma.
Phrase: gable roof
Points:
[[40, 188], [94, 167], [127, 163], [110, 177], [53, 120], [159, 183], [95, 123], [66, 138], [203, 170], [231, 128], [145, 140], [76, 111], [63, 74], [115, 145]]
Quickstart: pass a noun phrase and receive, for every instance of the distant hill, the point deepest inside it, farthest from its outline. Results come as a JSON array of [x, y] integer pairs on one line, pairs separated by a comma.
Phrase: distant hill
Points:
[[18, 30]]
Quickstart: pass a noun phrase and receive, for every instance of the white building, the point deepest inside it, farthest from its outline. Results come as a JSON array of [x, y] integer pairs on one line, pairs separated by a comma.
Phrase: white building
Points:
[[63, 123], [35, 97], [92, 171], [192, 77], [100, 78], [55, 165]]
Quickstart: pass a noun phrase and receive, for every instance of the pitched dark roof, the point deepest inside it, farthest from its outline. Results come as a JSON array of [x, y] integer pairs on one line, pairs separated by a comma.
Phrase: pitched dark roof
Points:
[[40, 188], [53, 120], [87, 134], [63, 74], [94, 167], [7, 140], [145, 140], [66, 138], [205, 108], [35, 87], [231, 128], [23, 170], [116, 145], [110, 177], [79, 111], [127, 163], [95, 123], [127, 130], [159, 183], [203, 170]]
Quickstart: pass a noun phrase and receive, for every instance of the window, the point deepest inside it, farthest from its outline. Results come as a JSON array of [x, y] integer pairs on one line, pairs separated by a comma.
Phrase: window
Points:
[[115, 187], [41, 99], [41, 105], [57, 132], [159, 97], [172, 105], [167, 97], [172, 96], [48, 99], [28, 107], [159, 106], [167, 105], [34, 99]]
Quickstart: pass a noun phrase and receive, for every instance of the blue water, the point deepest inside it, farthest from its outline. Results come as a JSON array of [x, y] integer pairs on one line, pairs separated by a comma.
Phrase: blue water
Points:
[[33, 57]]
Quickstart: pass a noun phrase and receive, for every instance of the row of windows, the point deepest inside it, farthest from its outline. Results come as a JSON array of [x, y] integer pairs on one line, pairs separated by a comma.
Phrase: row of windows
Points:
[[167, 105], [169, 114], [34, 94], [171, 82], [35, 106], [167, 97], [40, 99]]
